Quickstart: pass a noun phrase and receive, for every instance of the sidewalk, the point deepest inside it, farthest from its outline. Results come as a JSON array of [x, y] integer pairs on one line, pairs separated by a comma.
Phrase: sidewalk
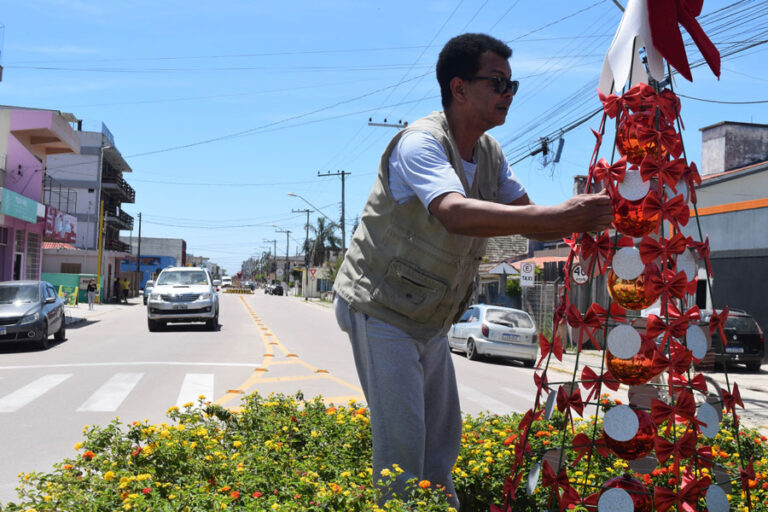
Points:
[[80, 314]]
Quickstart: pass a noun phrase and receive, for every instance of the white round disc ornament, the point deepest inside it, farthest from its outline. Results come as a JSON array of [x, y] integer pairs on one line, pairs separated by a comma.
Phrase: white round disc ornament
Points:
[[696, 341], [686, 262], [555, 459], [645, 465], [624, 341], [550, 406], [716, 499], [627, 263], [533, 478], [615, 500], [709, 418], [633, 188], [620, 423]]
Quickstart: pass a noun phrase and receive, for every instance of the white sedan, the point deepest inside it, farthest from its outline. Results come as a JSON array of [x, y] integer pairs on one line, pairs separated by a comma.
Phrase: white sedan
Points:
[[486, 330]]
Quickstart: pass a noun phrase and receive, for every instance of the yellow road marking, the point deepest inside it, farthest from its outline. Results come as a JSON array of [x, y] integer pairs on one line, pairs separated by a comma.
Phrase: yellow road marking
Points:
[[258, 377]]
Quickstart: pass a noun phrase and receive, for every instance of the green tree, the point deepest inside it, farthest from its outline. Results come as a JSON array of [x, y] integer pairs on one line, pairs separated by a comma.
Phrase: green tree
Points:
[[325, 241]]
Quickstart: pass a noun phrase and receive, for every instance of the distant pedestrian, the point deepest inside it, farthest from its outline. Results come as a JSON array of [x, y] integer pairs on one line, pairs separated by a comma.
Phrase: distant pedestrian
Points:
[[125, 284], [91, 291], [116, 290]]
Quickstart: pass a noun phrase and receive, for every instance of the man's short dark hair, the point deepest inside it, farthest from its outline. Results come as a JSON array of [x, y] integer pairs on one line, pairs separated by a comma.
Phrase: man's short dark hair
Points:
[[461, 57]]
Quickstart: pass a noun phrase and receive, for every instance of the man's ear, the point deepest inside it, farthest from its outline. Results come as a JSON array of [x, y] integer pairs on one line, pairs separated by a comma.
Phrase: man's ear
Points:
[[458, 89]]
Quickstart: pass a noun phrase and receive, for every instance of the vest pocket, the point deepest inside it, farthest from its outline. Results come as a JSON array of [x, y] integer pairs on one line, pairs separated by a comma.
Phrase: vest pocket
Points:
[[409, 291]]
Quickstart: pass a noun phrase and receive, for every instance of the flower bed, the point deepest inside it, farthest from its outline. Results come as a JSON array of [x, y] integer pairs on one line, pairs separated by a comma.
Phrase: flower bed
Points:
[[284, 453]]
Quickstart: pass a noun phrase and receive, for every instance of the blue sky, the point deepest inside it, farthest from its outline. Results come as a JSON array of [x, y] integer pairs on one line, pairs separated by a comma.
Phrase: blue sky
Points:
[[223, 108]]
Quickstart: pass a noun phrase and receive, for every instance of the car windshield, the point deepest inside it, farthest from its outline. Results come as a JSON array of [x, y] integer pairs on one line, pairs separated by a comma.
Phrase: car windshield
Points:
[[508, 318], [742, 324], [182, 278], [20, 293]]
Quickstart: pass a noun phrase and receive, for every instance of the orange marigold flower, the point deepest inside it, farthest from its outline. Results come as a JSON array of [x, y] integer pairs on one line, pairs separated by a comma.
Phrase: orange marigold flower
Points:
[[88, 455], [225, 488], [136, 451], [330, 410], [361, 411], [511, 439], [67, 466], [546, 442], [424, 484], [335, 487], [235, 495], [256, 494], [146, 490]]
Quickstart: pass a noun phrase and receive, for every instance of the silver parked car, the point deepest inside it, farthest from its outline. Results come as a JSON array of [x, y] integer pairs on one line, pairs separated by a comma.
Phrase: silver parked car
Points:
[[183, 294], [31, 311], [495, 331], [147, 290]]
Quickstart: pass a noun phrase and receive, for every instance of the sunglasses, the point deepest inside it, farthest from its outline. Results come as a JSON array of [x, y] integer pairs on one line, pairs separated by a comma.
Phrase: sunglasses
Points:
[[500, 85]]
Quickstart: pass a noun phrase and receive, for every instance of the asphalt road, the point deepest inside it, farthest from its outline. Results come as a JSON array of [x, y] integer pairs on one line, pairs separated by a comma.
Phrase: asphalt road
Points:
[[112, 366]]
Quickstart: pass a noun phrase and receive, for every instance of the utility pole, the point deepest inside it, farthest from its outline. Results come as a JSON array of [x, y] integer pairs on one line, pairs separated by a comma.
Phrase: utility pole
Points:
[[274, 252], [287, 247], [138, 255], [343, 228], [305, 281]]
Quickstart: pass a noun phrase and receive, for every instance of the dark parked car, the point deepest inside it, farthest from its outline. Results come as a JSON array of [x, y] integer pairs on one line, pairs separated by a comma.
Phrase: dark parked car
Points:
[[276, 290], [31, 311], [745, 341]]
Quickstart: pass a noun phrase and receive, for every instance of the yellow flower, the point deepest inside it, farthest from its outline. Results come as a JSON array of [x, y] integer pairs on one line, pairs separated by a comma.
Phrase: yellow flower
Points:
[[109, 476], [385, 472], [237, 444], [78, 446]]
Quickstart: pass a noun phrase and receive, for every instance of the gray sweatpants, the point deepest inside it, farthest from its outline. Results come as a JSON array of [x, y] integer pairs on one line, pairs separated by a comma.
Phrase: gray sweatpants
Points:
[[410, 387]]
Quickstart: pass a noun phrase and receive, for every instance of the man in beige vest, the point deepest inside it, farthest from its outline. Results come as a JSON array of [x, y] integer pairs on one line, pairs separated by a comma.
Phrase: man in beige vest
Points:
[[443, 187]]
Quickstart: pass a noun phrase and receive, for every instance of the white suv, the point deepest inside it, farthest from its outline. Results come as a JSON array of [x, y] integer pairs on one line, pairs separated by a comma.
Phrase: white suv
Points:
[[183, 294]]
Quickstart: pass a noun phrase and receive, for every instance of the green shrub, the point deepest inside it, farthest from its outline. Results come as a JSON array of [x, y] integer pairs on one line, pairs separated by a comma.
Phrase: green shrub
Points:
[[286, 454]]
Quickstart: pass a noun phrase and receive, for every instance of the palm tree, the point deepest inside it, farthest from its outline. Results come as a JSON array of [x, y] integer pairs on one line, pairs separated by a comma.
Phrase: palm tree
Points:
[[325, 241]]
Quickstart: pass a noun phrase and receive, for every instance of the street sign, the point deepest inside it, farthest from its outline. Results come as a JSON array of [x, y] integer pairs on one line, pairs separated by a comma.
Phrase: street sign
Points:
[[527, 273], [578, 275], [279, 272], [312, 271]]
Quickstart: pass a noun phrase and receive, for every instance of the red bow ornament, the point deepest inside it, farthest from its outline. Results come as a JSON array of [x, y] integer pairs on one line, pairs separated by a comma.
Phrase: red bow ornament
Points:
[[675, 210], [664, 17], [545, 346], [602, 171], [702, 248], [717, 323], [667, 285], [573, 401], [685, 498], [588, 323], [598, 248], [730, 400], [639, 97], [669, 104], [612, 104], [683, 448], [692, 178], [590, 381], [685, 407]]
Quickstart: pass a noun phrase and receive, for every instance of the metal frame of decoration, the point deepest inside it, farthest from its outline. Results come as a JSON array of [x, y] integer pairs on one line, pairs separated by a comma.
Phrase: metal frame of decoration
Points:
[[652, 186]]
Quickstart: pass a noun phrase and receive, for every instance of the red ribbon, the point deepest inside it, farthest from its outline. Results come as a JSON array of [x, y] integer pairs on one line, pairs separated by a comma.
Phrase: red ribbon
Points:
[[639, 96], [703, 249], [598, 247], [555, 346], [667, 284], [685, 407], [573, 401], [664, 16], [590, 320], [669, 104], [612, 104], [582, 444], [668, 171], [602, 171], [683, 448], [685, 498], [717, 322], [730, 400], [589, 379], [692, 178], [674, 210]]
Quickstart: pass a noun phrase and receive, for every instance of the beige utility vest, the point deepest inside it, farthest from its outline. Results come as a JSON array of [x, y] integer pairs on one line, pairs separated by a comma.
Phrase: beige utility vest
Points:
[[403, 267]]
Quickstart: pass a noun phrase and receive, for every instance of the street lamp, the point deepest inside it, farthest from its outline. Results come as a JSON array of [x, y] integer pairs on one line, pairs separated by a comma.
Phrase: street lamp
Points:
[[318, 210]]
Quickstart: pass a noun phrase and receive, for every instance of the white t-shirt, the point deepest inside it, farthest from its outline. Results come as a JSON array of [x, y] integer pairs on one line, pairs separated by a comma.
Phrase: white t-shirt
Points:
[[419, 167]]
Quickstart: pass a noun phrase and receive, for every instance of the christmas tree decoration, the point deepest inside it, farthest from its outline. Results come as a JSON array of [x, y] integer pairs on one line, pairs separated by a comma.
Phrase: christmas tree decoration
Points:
[[645, 261]]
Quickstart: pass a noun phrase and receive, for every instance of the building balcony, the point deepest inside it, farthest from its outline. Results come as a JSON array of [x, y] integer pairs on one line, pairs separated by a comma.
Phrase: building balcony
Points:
[[113, 181], [120, 218], [116, 245]]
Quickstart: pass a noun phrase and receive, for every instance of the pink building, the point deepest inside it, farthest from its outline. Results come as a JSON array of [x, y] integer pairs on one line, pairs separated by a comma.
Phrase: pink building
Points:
[[27, 138]]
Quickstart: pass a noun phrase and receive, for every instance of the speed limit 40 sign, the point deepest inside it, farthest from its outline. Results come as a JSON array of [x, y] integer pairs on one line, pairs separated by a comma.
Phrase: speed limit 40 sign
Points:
[[578, 275]]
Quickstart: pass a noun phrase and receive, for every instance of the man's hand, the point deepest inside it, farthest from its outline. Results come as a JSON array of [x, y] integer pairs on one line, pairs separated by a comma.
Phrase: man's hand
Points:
[[586, 212]]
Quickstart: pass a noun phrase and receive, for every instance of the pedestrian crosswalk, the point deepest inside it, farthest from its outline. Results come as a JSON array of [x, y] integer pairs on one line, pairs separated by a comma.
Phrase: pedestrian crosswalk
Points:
[[109, 396]]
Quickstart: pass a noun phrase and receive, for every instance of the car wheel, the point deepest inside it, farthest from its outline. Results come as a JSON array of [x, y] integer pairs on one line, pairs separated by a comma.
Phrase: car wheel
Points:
[[61, 334], [754, 367], [472, 354], [153, 325], [528, 363], [213, 323], [145, 301], [43, 341]]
